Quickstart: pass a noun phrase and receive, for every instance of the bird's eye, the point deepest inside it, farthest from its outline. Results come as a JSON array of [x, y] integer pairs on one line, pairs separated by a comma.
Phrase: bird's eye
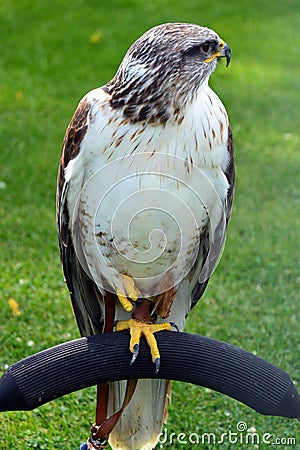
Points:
[[196, 50], [205, 47]]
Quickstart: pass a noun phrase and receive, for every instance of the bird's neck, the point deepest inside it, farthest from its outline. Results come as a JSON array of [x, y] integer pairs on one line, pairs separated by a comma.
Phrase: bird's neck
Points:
[[149, 102]]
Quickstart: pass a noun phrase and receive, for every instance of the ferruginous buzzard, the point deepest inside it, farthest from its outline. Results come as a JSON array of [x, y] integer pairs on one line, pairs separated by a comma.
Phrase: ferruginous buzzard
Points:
[[145, 190]]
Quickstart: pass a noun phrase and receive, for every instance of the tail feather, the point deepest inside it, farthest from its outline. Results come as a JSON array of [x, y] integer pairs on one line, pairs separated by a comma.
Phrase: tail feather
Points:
[[141, 422]]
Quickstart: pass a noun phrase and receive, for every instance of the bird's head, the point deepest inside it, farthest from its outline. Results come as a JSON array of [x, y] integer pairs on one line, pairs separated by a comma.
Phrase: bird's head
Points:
[[167, 65]]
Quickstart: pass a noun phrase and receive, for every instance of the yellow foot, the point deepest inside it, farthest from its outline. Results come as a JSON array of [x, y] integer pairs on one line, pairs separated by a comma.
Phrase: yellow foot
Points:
[[137, 328], [130, 291]]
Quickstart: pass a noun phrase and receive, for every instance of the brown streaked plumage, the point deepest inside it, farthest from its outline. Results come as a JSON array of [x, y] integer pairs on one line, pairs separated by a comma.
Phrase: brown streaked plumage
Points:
[[157, 105]]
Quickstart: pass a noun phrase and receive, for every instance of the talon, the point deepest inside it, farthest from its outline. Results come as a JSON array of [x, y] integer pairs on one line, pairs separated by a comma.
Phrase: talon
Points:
[[136, 349], [157, 365], [137, 328], [138, 301], [173, 324]]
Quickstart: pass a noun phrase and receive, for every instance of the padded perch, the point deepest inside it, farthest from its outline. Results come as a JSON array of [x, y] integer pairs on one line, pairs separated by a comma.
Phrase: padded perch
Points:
[[88, 361]]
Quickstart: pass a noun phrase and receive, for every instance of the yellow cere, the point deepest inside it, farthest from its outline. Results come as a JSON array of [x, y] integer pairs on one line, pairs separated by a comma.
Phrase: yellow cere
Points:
[[218, 53]]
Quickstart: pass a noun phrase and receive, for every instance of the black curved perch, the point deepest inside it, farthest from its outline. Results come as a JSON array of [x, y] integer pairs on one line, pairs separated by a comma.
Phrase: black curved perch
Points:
[[207, 362]]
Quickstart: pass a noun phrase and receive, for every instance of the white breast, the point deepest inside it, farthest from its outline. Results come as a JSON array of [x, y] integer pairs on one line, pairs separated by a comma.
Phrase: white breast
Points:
[[149, 191]]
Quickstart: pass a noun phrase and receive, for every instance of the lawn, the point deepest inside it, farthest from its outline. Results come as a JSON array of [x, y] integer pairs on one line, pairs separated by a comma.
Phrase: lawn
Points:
[[52, 53]]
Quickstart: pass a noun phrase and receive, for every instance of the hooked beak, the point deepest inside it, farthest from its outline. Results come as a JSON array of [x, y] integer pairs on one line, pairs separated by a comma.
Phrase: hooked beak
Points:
[[223, 52]]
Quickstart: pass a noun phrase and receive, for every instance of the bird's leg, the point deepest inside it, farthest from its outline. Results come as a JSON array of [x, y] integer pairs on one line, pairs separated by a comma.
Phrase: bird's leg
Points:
[[128, 294], [140, 324]]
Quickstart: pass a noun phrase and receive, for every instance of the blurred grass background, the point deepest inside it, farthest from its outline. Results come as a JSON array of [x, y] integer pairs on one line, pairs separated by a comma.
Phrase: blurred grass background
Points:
[[52, 53]]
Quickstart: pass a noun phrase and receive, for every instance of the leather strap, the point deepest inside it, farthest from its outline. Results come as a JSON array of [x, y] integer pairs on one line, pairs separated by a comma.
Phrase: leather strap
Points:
[[103, 426], [100, 433]]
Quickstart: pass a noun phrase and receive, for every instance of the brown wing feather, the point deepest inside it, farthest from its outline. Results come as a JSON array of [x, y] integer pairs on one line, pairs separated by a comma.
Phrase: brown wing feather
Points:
[[70, 149], [199, 288], [86, 299], [230, 174]]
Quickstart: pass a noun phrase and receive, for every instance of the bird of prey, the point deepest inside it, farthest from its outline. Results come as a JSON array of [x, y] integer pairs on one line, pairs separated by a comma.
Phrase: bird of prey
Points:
[[145, 190]]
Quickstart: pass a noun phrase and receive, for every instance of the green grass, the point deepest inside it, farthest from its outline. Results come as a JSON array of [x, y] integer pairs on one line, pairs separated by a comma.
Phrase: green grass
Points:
[[47, 64]]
